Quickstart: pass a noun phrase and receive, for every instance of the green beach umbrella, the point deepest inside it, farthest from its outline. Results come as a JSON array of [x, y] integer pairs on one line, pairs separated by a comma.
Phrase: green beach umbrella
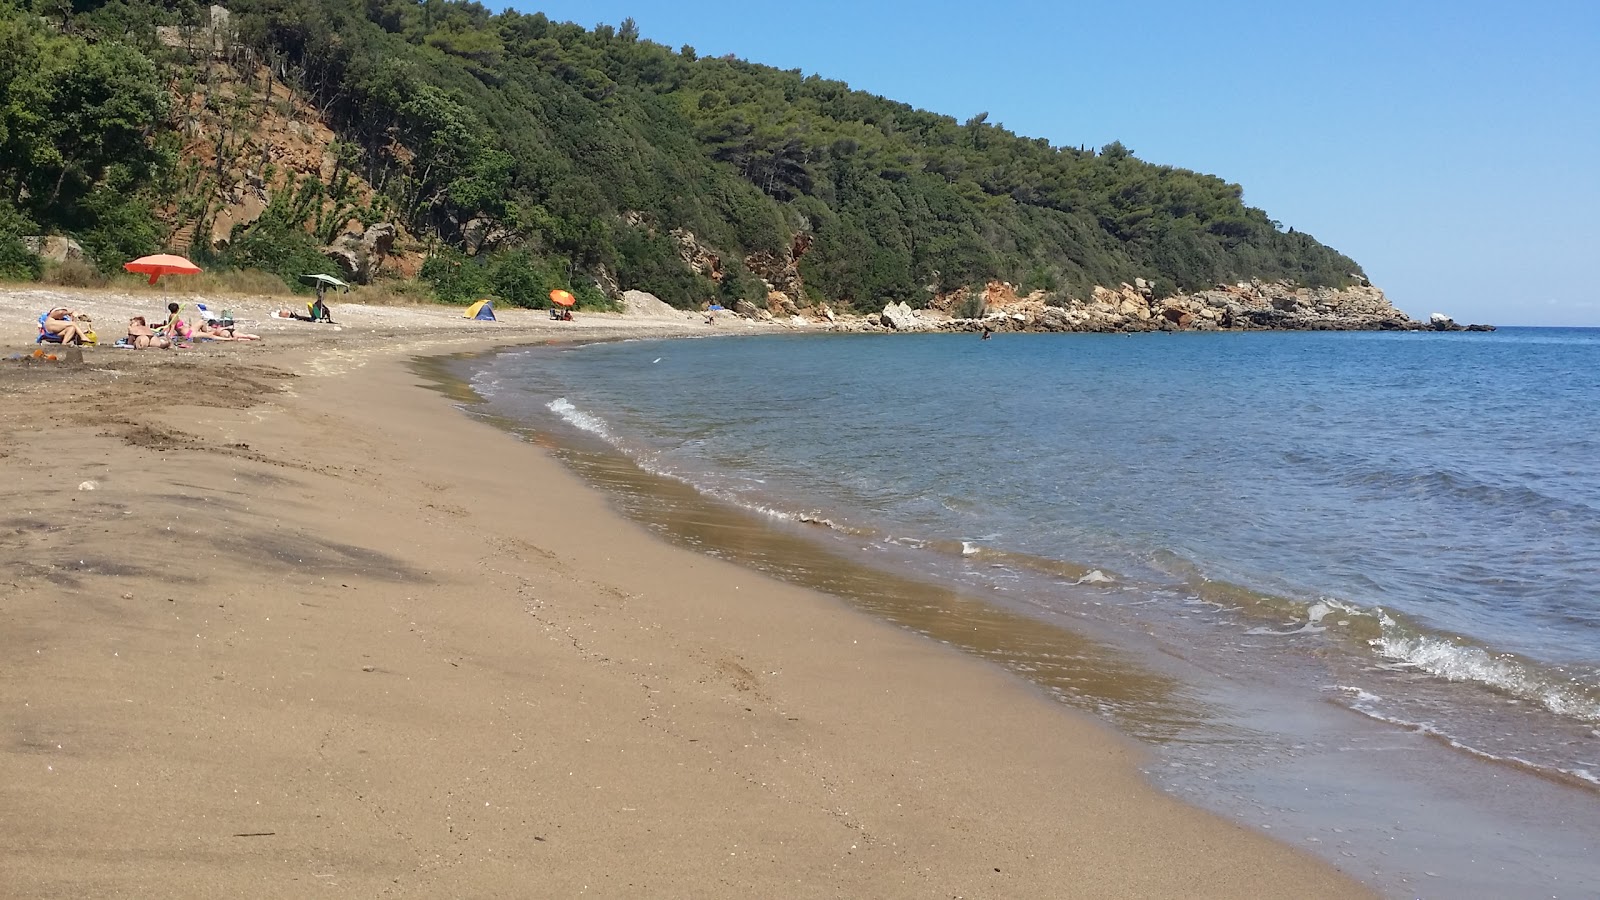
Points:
[[328, 280]]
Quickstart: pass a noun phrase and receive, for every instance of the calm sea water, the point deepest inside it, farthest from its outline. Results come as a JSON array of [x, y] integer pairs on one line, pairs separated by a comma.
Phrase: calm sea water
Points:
[[1407, 524]]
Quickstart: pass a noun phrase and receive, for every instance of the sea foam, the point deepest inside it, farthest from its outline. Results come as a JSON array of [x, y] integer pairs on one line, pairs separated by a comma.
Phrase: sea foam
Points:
[[572, 415], [1466, 663]]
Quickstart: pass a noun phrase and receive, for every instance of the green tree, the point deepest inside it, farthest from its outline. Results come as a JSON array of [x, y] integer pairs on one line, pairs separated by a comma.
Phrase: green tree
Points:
[[17, 262]]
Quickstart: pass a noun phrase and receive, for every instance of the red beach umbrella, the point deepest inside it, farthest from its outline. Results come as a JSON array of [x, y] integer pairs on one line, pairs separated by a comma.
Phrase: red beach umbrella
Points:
[[162, 264], [563, 298]]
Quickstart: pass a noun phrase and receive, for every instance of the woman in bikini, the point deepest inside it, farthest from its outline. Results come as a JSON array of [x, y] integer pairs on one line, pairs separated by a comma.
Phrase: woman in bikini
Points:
[[175, 328], [142, 336], [220, 328], [217, 331]]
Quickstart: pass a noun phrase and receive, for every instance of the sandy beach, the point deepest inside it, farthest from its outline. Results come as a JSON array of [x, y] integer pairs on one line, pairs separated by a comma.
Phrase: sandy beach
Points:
[[277, 620]]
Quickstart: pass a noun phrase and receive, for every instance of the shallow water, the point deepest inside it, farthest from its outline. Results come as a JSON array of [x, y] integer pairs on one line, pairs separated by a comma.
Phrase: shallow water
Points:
[[1329, 547]]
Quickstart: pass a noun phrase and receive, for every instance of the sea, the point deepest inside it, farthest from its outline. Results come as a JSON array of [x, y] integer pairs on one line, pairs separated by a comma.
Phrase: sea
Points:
[[1343, 586]]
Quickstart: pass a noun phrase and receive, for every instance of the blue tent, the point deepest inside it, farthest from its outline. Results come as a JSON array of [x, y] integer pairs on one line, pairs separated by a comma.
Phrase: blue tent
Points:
[[483, 311]]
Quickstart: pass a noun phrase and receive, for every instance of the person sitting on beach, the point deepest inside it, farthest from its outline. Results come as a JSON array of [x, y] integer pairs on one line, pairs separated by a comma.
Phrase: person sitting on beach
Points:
[[175, 328], [61, 326], [142, 336], [319, 307]]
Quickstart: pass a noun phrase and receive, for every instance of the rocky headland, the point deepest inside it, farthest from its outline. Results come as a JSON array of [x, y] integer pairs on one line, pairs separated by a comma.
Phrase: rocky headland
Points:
[[1244, 306], [1253, 305]]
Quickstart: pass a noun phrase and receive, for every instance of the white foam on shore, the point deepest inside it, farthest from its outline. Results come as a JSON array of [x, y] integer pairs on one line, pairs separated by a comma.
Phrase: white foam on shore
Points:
[[1320, 611], [1306, 628], [485, 385], [647, 462], [1358, 695], [1461, 662], [732, 497], [1317, 612], [1362, 702], [572, 415], [762, 509]]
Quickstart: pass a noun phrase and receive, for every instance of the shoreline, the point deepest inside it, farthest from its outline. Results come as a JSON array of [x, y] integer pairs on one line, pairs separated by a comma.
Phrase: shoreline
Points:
[[386, 647], [1276, 745]]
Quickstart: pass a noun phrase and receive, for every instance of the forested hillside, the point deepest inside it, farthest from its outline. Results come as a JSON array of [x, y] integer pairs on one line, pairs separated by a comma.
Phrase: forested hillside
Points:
[[518, 154]]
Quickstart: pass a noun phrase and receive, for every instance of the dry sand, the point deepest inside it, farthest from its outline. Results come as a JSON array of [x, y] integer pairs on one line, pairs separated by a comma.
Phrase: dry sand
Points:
[[314, 632]]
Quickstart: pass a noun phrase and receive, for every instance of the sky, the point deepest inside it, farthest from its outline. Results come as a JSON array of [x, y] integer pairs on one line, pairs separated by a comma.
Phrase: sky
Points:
[[1450, 148]]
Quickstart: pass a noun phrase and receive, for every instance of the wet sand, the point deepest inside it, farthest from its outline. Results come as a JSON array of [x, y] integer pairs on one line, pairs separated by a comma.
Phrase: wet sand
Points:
[[313, 631]]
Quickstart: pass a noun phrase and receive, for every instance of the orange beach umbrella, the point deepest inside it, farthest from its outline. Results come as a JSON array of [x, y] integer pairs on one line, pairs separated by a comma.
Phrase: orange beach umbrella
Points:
[[563, 298], [162, 264]]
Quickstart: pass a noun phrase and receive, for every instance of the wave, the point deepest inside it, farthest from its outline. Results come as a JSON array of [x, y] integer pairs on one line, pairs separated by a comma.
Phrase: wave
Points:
[[1376, 631], [1366, 473], [1476, 491], [1073, 572], [574, 416], [1459, 661], [1403, 644], [1291, 615], [1366, 703], [485, 385], [598, 426]]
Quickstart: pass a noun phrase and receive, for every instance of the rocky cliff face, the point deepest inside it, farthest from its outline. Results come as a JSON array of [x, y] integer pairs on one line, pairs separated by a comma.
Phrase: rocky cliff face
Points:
[[781, 272], [249, 138], [1247, 305], [1242, 306]]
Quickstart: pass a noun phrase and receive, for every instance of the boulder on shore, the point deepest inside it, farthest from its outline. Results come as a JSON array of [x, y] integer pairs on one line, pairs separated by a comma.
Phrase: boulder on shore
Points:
[[54, 247], [643, 303], [900, 317], [360, 254]]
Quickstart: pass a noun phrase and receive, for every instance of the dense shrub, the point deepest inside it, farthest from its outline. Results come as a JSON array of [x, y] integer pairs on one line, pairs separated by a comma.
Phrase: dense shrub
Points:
[[17, 262]]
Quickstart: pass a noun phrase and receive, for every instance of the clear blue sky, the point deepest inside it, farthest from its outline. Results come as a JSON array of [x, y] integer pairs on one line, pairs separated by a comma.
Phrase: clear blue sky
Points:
[[1453, 149]]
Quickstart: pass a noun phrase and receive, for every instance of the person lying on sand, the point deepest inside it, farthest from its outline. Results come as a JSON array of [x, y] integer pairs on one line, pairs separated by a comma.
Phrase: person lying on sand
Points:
[[290, 314], [217, 331], [220, 329], [61, 326], [142, 336]]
